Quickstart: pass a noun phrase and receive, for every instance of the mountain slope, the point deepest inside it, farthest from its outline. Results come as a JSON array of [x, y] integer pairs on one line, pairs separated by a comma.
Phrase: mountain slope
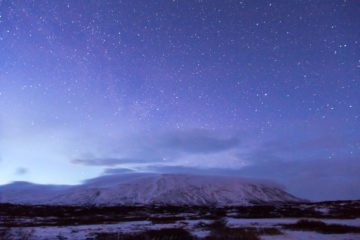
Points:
[[145, 189]]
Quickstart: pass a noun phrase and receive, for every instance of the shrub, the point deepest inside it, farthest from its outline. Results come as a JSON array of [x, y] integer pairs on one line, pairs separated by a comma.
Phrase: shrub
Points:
[[233, 234], [169, 234], [220, 231], [165, 220], [5, 233], [321, 227], [269, 231], [162, 234]]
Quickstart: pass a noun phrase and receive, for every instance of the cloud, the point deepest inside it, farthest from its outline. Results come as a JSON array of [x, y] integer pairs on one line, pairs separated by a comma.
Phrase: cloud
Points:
[[315, 167], [319, 168], [21, 171], [319, 178], [198, 141], [106, 161], [191, 170], [154, 147], [113, 171], [161, 169]]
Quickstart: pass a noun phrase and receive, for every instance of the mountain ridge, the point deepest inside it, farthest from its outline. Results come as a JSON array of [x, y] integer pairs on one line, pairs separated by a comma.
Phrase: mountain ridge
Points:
[[151, 189]]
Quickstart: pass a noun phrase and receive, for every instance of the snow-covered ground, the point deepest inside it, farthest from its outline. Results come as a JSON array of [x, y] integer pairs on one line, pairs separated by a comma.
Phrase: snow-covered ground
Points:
[[193, 226]]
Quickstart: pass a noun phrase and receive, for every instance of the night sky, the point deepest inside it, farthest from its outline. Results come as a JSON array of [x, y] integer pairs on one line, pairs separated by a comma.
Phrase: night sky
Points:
[[253, 88]]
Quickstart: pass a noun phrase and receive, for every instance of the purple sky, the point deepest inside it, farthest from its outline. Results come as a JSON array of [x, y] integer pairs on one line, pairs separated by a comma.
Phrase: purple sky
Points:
[[267, 89]]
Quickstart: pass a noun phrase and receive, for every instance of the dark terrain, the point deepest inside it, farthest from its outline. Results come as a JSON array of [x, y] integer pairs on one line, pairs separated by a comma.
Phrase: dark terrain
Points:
[[16, 221], [42, 215]]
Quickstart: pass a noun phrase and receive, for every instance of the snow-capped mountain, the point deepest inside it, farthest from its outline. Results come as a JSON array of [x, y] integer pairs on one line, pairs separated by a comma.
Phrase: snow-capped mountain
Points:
[[148, 189]]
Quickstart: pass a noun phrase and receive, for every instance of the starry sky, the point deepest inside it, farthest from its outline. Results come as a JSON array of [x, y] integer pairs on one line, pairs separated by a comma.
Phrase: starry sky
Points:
[[260, 88]]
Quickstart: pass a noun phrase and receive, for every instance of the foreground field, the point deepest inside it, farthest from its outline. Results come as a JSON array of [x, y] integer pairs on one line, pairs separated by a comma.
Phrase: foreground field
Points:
[[326, 220]]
